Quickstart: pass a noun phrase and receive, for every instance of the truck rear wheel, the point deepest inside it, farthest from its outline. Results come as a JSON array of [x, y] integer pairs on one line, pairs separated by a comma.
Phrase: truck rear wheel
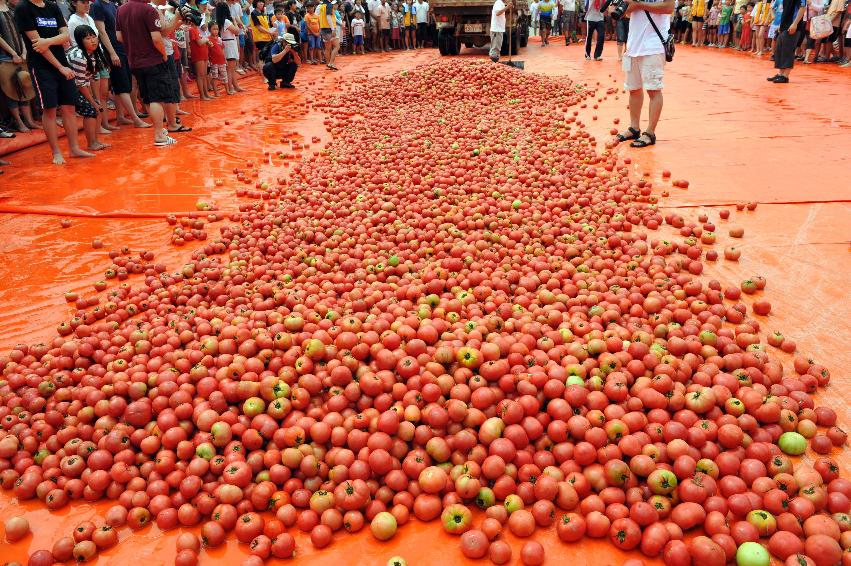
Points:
[[446, 42]]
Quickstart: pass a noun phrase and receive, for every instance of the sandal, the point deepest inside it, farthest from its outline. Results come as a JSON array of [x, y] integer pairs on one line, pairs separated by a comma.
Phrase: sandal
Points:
[[180, 129], [166, 142], [630, 134], [641, 143]]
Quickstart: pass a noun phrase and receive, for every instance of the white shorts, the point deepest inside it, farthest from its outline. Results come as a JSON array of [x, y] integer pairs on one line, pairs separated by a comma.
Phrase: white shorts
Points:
[[772, 31], [644, 71], [231, 49]]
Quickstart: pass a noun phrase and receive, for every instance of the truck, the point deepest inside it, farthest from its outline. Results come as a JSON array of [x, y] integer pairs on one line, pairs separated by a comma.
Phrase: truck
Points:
[[467, 22]]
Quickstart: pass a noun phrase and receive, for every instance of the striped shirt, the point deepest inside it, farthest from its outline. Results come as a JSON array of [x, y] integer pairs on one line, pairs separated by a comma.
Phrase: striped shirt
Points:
[[78, 62]]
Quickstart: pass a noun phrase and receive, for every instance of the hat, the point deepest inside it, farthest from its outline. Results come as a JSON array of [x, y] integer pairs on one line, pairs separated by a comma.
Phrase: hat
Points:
[[16, 82], [289, 38]]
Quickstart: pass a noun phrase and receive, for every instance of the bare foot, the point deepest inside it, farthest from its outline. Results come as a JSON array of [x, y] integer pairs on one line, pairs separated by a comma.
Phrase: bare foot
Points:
[[33, 125], [58, 159], [111, 127], [97, 146], [141, 124], [105, 131], [206, 98], [239, 89], [126, 122], [182, 112], [21, 127], [80, 153]]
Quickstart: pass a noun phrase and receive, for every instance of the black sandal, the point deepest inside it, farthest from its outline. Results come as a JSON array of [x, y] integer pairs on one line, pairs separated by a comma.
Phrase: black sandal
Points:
[[633, 134], [641, 143]]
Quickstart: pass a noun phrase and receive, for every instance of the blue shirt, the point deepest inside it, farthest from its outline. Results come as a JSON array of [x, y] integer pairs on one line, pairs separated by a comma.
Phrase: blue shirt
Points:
[[777, 6]]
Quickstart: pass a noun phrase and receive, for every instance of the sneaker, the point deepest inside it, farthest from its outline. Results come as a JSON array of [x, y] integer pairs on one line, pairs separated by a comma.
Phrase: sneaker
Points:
[[781, 79], [845, 64], [587, 57], [598, 58], [272, 87], [772, 79], [287, 85]]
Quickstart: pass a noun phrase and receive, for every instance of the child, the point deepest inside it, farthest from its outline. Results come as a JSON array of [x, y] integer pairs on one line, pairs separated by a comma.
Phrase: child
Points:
[[761, 17], [712, 25], [314, 36], [410, 25], [357, 33], [281, 22], [84, 61], [303, 39], [217, 62], [199, 54], [746, 21], [395, 22], [724, 24]]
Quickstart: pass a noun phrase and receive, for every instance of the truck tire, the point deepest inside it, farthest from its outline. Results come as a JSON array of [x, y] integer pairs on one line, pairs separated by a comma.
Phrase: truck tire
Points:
[[446, 42], [455, 45]]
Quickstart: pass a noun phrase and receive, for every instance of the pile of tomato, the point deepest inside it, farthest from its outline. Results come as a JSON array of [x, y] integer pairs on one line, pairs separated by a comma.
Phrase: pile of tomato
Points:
[[459, 302]]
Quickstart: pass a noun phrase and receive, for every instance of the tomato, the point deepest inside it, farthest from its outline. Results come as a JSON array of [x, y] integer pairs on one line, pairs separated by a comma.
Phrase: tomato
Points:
[[571, 527], [104, 537], [676, 553], [752, 554], [704, 550], [16, 529], [499, 552], [283, 546], [625, 534], [532, 553], [248, 527], [521, 523], [597, 524], [474, 544], [383, 526], [688, 515], [321, 536], [783, 544], [823, 550], [186, 557], [653, 539]]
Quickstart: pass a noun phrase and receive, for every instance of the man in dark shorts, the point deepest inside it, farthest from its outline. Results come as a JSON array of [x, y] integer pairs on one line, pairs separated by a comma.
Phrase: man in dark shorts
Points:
[[44, 30], [421, 9], [787, 39], [103, 13], [138, 27]]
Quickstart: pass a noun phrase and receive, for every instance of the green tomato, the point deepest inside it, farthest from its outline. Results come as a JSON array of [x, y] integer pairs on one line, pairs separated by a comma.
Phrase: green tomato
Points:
[[752, 554], [792, 443], [397, 561]]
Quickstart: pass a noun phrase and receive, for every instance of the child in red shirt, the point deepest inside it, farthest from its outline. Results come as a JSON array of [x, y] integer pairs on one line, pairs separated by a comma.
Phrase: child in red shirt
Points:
[[199, 54], [218, 66]]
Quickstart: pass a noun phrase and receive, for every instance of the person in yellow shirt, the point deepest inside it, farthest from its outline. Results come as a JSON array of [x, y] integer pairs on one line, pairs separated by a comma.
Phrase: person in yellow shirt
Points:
[[698, 14], [262, 32], [762, 18]]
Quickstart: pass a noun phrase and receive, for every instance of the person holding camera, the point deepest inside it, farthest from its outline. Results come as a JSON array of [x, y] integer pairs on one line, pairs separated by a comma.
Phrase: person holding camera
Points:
[[282, 63], [644, 65]]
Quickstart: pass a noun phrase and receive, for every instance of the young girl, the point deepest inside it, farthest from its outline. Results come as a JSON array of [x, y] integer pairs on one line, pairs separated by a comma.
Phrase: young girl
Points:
[[229, 33], [746, 21], [761, 18], [84, 61], [410, 26], [395, 22], [199, 54], [712, 25], [217, 69], [100, 83]]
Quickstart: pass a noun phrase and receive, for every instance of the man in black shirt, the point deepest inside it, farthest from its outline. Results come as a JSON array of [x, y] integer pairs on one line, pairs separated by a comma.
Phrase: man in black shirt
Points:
[[43, 28], [787, 39]]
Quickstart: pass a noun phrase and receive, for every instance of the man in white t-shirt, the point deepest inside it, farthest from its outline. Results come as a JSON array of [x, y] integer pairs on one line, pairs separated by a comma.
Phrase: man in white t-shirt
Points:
[[421, 11], [568, 20], [644, 66], [497, 28], [533, 16]]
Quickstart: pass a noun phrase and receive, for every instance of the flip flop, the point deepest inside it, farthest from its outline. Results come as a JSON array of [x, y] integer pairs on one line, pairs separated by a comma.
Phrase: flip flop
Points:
[[180, 129], [166, 142], [641, 143]]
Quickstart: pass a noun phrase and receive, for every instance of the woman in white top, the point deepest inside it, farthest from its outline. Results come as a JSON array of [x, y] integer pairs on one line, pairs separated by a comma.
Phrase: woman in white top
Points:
[[78, 18], [230, 40]]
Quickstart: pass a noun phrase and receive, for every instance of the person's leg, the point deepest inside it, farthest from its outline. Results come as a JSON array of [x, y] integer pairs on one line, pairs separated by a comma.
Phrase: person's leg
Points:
[[15, 111], [51, 132], [69, 121], [598, 50], [636, 101], [170, 111], [157, 113], [90, 128], [496, 45], [655, 107], [270, 75], [588, 32], [200, 73], [288, 75]]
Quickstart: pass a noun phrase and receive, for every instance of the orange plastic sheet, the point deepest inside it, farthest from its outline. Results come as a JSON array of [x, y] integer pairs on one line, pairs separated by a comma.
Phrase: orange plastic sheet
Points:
[[734, 136]]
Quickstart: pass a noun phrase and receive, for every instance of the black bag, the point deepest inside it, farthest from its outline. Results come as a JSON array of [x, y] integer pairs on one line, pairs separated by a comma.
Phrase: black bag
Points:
[[669, 44]]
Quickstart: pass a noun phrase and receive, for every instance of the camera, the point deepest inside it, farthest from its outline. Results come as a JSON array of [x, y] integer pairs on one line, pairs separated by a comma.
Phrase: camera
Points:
[[620, 9], [187, 12]]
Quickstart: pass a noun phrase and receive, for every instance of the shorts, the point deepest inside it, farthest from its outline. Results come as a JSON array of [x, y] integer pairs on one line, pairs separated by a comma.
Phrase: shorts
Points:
[[314, 42], [784, 53], [155, 84], [327, 35], [218, 71], [119, 77], [394, 33], [357, 40], [242, 40], [231, 49], [103, 74], [52, 89], [386, 33], [622, 28], [84, 108], [684, 25], [772, 31], [421, 32], [645, 71], [174, 75], [697, 19], [546, 21], [411, 28], [723, 28]]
